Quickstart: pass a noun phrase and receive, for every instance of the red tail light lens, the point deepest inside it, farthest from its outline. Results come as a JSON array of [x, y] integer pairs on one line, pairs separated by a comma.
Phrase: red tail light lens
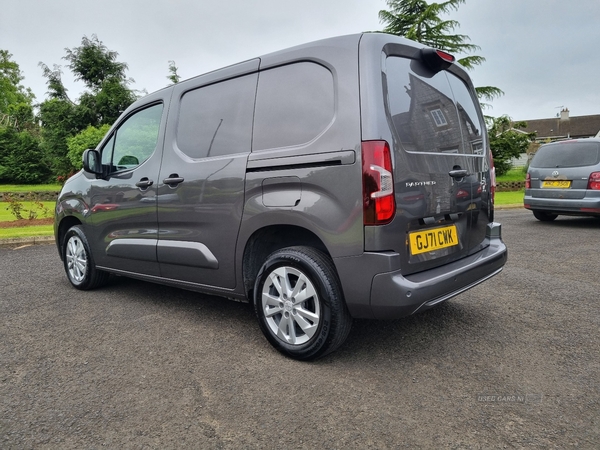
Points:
[[462, 194], [594, 181], [528, 182], [436, 60], [379, 205]]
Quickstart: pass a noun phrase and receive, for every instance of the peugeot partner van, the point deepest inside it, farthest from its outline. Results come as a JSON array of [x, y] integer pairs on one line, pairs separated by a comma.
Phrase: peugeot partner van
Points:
[[345, 178]]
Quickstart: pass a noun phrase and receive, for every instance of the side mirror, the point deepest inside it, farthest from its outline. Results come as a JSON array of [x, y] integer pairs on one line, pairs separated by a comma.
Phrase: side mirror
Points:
[[92, 162]]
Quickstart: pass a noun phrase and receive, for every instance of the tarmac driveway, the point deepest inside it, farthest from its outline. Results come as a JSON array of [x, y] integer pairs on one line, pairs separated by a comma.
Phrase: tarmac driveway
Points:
[[512, 363]]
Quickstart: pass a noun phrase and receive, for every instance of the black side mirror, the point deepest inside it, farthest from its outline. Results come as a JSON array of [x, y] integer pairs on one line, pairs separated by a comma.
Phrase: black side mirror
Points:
[[92, 162]]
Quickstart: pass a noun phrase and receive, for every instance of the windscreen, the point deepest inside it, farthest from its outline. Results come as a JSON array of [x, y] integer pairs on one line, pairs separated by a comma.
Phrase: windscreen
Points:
[[567, 154]]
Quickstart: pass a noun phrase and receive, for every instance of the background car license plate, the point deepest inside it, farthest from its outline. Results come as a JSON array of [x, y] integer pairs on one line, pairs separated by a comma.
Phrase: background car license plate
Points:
[[432, 239], [560, 184]]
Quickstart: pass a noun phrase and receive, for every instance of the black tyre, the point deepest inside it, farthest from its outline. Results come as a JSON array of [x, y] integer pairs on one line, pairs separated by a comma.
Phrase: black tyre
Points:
[[79, 263], [299, 303], [544, 216]]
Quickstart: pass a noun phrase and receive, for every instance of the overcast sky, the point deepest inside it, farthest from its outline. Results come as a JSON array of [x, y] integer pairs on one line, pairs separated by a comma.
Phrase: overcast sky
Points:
[[541, 53]]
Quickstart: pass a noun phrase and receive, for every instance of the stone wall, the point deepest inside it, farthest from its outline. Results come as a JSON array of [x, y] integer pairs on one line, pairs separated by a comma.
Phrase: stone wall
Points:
[[503, 186], [44, 196]]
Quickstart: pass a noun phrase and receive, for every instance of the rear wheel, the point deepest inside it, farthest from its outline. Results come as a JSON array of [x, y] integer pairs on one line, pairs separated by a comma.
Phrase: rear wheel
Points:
[[544, 216], [79, 263], [299, 303]]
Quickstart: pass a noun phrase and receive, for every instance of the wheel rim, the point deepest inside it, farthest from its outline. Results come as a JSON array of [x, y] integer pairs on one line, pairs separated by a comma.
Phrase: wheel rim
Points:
[[291, 305], [76, 258]]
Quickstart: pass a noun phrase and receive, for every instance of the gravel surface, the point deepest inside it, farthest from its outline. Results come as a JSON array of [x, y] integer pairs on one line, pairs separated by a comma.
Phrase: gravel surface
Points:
[[512, 363]]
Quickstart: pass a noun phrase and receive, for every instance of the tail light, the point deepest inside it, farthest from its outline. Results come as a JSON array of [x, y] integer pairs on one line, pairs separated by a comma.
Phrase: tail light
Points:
[[462, 194], [528, 181], [594, 181], [379, 206]]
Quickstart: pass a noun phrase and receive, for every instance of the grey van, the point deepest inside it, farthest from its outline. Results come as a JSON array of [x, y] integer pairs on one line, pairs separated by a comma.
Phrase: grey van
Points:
[[345, 178]]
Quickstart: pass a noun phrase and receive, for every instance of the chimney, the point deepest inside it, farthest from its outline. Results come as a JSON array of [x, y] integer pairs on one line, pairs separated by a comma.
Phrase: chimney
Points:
[[564, 114]]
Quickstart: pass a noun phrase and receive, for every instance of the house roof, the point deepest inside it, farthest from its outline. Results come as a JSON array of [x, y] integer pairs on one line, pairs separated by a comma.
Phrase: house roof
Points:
[[564, 127]]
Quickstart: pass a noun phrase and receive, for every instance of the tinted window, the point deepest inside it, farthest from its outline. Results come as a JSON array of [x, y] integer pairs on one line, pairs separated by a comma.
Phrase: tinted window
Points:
[[295, 104], [431, 113], [134, 141], [216, 120], [568, 154], [468, 112]]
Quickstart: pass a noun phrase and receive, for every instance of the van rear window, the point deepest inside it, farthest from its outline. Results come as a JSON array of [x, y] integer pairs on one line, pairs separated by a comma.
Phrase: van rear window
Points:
[[432, 113], [567, 154]]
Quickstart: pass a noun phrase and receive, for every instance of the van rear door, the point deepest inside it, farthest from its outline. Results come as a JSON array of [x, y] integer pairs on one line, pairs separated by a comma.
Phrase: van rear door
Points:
[[438, 142]]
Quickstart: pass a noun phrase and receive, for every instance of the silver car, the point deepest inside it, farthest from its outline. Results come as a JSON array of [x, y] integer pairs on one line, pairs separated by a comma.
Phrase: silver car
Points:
[[564, 179]]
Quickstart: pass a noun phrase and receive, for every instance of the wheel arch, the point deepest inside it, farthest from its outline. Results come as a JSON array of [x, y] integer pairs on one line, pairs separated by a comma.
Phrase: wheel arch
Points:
[[64, 225], [271, 238]]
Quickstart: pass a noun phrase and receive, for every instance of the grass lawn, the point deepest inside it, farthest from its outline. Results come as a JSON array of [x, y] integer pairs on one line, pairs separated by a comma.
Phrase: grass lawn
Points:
[[516, 174], [509, 198], [26, 232], [30, 187], [6, 216]]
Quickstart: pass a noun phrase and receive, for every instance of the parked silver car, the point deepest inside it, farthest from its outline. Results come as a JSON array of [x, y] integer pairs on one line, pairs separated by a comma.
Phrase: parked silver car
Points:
[[345, 178], [564, 179]]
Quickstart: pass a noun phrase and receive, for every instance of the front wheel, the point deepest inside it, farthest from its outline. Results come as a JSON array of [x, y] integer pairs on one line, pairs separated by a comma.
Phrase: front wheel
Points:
[[299, 303], [79, 263]]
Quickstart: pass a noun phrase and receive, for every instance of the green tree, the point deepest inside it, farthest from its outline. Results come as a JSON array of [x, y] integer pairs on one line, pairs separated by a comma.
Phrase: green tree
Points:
[[420, 21], [107, 95], [507, 141], [88, 138], [16, 101], [173, 76], [21, 158]]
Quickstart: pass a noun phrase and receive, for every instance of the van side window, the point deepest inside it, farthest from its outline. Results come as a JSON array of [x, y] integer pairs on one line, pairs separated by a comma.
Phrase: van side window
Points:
[[427, 114], [216, 120], [294, 104], [134, 141]]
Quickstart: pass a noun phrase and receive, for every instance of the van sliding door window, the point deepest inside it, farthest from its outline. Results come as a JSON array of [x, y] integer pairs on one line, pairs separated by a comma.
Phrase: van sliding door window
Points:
[[294, 105], [431, 113], [216, 120]]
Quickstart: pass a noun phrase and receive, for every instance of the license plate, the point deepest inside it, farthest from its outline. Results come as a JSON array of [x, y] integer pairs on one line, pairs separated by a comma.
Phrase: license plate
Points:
[[432, 239], [557, 184]]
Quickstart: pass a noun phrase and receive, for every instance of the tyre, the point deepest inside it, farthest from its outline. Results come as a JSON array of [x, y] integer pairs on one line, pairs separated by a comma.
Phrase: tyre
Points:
[[544, 216], [79, 263], [299, 303]]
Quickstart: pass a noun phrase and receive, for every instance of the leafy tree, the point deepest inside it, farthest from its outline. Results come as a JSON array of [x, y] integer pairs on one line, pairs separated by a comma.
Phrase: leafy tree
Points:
[[173, 76], [88, 138], [16, 101], [107, 96], [21, 158], [420, 21], [507, 141]]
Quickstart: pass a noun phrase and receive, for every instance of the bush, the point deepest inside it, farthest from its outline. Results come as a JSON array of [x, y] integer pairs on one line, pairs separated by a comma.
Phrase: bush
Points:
[[88, 138]]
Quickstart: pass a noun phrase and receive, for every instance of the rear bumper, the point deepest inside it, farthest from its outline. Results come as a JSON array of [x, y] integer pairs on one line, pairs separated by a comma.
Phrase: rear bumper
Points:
[[393, 295], [586, 205]]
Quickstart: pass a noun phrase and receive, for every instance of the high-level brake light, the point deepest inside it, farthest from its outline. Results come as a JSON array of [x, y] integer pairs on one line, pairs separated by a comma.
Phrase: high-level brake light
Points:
[[437, 60]]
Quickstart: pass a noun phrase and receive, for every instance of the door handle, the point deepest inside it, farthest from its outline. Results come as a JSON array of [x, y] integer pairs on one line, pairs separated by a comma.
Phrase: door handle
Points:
[[144, 183], [458, 173], [173, 180]]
